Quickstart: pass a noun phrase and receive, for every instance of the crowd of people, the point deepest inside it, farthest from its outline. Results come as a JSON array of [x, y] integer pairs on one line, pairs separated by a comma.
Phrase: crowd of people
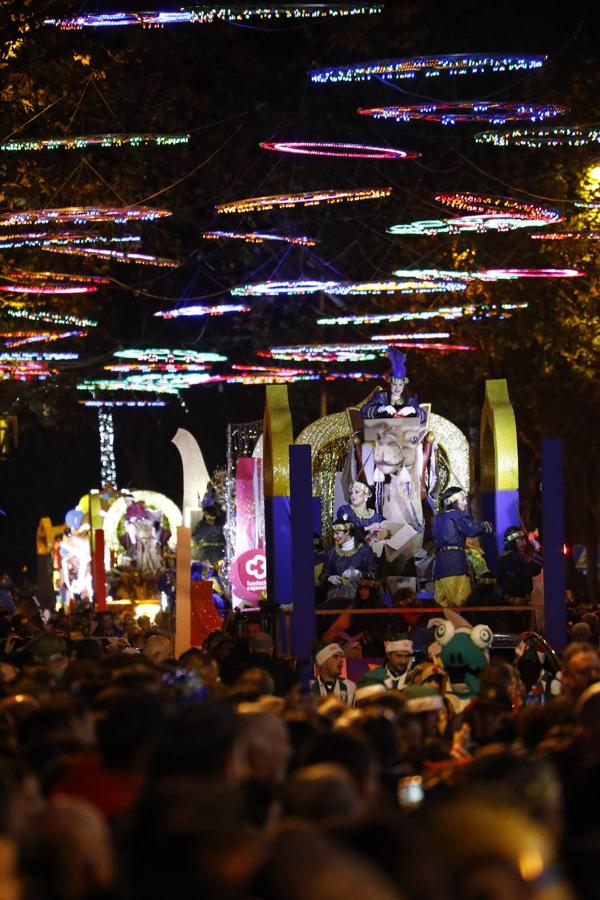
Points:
[[127, 773]]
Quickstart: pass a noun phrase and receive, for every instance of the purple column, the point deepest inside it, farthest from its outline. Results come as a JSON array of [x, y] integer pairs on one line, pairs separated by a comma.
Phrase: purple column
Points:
[[553, 525], [303, 618]]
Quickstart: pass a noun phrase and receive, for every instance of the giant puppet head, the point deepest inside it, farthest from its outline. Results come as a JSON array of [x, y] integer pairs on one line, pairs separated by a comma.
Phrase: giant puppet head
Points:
[[464, 653]]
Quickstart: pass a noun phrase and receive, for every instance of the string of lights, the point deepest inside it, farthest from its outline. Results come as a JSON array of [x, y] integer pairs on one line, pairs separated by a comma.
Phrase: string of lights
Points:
[[305, 198], [458, 111], [348, 151], [258, 237], [106, 431], [120, 256], [48, 289], [430, 66], [163, 354], [25, 371], [484, 205], [207, 15], [81, 215], [567, 236], [198, 311], [57, 276], [37, 356], [339, 288], [122, 404], [47, 240], [21, 338], [325, 353], [539, 138], [470, 311], [51, 318], [85, 141], [147, 367], [418, 336], [157, 383], [465, 224]]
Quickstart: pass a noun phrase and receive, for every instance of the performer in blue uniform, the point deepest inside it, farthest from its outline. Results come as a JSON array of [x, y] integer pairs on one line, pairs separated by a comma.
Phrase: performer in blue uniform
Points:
[[357, 510], [451, 528], [346, 562], [394, 402]]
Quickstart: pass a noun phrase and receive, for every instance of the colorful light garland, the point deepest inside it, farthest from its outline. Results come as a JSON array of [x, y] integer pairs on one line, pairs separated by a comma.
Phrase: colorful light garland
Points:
[[340, 288], [163, 354], [258, 237], [430, 66], [157, 383], [490, 274], [535, 273], [37, 356], [52, 318], [45, 239], [482, 204], [198, 311], [465, 224], [455, 112], [104, 141], [52, 277], [118, 404], [305, 198], [48, 289], [149, 367], [21, 338], [106, 431], [206, 15], [25, 371], [349, 352], [81, 215], [419, 336], [348, 151], [588, 204], [538, 138], [471, 311], [567, 236], [120, 256]]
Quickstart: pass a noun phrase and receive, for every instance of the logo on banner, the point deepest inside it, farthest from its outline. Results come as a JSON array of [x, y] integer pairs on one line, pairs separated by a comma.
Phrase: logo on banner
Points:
[[249, 574]]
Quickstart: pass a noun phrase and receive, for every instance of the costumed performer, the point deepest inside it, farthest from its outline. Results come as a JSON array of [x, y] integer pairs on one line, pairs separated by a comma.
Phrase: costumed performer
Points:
[[451, 528], [357, 511], [391, 675], [518, 565], [329, 659], [394, 402], [346, 562]]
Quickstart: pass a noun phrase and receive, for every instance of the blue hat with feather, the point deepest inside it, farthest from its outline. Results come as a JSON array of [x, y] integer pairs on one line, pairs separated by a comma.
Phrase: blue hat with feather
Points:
[[398, 363]]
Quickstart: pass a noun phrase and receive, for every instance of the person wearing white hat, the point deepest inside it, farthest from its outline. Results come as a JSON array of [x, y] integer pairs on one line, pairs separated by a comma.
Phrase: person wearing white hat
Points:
[[391, 675], [329, 659]]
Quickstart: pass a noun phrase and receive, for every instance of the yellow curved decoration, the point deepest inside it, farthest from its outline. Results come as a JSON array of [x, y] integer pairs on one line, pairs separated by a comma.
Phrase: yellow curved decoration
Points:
[[277, 437], [498, 440]]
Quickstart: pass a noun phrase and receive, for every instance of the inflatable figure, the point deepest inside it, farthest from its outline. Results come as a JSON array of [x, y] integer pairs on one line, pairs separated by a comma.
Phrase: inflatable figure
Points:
[[463, 650]]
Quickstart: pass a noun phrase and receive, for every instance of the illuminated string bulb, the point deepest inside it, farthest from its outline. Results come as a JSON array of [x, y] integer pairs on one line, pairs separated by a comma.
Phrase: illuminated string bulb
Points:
[[21, 338], [430, 66], [120, 256], [48, 289], [465, 224], [50, 317], [25, 371], [567, 236], [349, 151], [349, 352], [117, 404], [471, 311], [163, 354], [80, 215], [588, 204], [483, 204], [420, 336], [339, 288], [455, 112], [258, 237], [198, 311], [59, 276], [104, 141], [207, 15], [537, 138], [47, 240], [496, 274], [156, 367], [108, 466], [306, 198], [37, 356], [428, 274], [158, 383]]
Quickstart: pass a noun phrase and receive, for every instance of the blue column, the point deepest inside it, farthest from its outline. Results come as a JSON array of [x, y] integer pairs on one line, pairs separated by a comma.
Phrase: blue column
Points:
[[553, 525], [501, 508], [303, 619], [278, 539]]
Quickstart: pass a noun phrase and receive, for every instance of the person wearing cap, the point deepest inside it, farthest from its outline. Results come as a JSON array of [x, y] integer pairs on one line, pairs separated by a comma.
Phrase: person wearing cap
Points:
[[346, 562], [329, 659], [451, 528], [391, 675], [394, 402]]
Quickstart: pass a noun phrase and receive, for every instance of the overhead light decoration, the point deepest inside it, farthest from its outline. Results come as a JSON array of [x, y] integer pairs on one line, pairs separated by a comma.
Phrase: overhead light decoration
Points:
[[567, 236], [305, 198], [325, 353], [458, 111], [85, 141], [430, 66], [47, 240], [258, 237], [106, 430], [219, 12], [163, 354], [21, 338], [48, 289], [148, 367], [484, 204], [469, 311], [348, 151], [28, 370], [418, 336], [535, 273], [449, 274], [119, 256], [340, 288], [123, 404], [540, 138], [199, 311], [37, 356], [157, 383], [465, 224], [53, 277], [81, 215], [52, 318]]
